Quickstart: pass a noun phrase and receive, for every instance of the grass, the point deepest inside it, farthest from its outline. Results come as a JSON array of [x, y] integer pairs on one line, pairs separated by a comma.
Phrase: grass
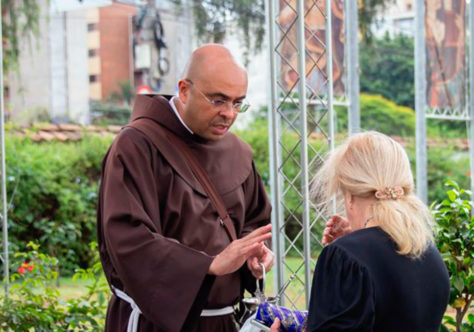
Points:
[[70, 289], [294, 294]]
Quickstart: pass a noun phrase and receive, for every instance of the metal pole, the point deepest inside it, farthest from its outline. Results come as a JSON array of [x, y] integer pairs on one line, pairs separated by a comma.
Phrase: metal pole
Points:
[[471, 89], [352, 51], [420, 101], [330, 104], [273, 129], [6, 274], [304, 147]]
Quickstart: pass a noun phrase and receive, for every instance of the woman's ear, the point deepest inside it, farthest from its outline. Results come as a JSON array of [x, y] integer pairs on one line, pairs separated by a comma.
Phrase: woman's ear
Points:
[[349, 198]]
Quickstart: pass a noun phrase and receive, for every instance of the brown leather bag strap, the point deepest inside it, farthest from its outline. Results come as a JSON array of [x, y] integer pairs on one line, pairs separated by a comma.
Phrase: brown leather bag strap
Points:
[[149, 128]]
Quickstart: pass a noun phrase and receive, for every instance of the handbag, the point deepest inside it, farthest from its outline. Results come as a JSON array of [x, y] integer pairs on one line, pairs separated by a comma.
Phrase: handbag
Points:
[[267, 310], [290, 320]]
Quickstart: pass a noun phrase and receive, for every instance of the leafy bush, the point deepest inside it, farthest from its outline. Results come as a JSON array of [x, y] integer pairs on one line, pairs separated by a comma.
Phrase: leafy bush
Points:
[[455, 234], [34, 301], [52, 190], [110, 113], [445, 163], [52, 187], [380, 114]]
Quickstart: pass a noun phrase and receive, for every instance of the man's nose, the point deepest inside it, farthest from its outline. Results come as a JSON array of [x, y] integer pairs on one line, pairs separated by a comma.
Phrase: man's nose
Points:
[[227, 111]]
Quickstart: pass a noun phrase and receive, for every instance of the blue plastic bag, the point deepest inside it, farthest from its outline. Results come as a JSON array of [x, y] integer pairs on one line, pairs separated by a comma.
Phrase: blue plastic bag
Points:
[[291, 320]]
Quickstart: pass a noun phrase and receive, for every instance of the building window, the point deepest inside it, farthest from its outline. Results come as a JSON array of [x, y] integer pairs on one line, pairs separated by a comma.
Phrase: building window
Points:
[[93, 53], [93, 78], [91, 26]]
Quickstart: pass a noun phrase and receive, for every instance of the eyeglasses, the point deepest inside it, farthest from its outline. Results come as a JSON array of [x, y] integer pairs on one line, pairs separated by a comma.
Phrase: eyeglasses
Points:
[[221, 104]]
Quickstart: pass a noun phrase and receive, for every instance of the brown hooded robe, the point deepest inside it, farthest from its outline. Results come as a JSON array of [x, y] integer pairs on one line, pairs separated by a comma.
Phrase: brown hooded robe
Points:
[[158, 231]]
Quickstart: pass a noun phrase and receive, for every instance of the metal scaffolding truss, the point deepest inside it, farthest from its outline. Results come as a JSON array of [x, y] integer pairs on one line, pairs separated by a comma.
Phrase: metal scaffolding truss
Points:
[[423, 112], [302, 131], [460, 114]]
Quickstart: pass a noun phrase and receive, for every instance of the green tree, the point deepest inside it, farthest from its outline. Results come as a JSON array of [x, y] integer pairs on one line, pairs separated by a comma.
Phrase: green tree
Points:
[[20, 19], [212, 18], [124, 94], [387, 69], [368, 10]]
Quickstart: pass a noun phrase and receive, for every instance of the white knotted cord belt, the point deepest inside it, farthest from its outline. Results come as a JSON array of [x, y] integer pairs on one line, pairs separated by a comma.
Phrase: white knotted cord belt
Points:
[[134, 315], [217, 312]]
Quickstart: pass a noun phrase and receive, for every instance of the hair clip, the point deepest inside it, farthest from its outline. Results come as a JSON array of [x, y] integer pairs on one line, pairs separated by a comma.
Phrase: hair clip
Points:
[[390, 193]]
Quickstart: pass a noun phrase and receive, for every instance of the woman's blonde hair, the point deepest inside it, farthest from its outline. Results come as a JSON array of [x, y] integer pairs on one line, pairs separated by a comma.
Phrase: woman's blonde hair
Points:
[[369, 163]]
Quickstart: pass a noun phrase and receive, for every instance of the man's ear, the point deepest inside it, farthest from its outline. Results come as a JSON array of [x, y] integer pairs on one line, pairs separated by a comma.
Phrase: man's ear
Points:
[[183, 91]]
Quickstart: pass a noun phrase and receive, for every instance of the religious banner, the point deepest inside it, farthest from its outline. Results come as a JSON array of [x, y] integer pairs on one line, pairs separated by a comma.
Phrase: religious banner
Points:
[[445, 53], [315, 37]]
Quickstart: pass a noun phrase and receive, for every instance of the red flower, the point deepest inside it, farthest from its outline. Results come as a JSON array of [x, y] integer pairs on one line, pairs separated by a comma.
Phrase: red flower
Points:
[[21, 270], [30, 267]]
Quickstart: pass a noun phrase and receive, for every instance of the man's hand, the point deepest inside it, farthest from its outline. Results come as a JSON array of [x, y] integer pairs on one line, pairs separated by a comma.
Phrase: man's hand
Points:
[[265, 257], [236, 253], [336, 227]]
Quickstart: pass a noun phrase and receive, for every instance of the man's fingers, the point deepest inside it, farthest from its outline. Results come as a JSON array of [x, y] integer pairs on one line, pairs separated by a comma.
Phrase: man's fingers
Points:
[[269, 261], [251, 250], [254, 263], [259, 238], [259, 231]]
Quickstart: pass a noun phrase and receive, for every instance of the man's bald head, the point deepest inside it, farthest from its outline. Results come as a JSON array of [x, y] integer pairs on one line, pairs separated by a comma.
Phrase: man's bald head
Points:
[[212, 85], [209, 60]]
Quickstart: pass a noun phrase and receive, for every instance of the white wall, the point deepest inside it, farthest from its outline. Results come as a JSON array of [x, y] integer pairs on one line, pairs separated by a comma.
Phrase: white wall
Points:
[[77, 66], [58, 66], [29, 87], [53, 77], [68, 5]]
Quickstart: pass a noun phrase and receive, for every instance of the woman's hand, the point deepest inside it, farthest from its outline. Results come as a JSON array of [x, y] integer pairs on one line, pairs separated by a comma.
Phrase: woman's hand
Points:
[[275, 326], [336, 227]]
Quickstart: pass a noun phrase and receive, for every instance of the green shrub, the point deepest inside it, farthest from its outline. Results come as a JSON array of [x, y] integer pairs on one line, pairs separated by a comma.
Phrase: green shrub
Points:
[[110, 113], [34, 301], [454, 238], [52, 187], [446, 163], [380, 114], [383, 115], [256, 135], [52, 191]]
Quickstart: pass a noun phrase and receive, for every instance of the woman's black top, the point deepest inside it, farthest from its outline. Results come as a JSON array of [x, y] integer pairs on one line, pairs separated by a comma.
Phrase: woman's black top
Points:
[[362, 284]]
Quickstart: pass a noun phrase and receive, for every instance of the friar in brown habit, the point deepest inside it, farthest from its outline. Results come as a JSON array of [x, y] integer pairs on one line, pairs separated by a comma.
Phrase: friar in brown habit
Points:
[[169, 262]]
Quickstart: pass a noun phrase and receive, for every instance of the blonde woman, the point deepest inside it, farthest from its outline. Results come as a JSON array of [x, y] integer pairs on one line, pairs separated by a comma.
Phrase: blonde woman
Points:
[[380, 270]]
